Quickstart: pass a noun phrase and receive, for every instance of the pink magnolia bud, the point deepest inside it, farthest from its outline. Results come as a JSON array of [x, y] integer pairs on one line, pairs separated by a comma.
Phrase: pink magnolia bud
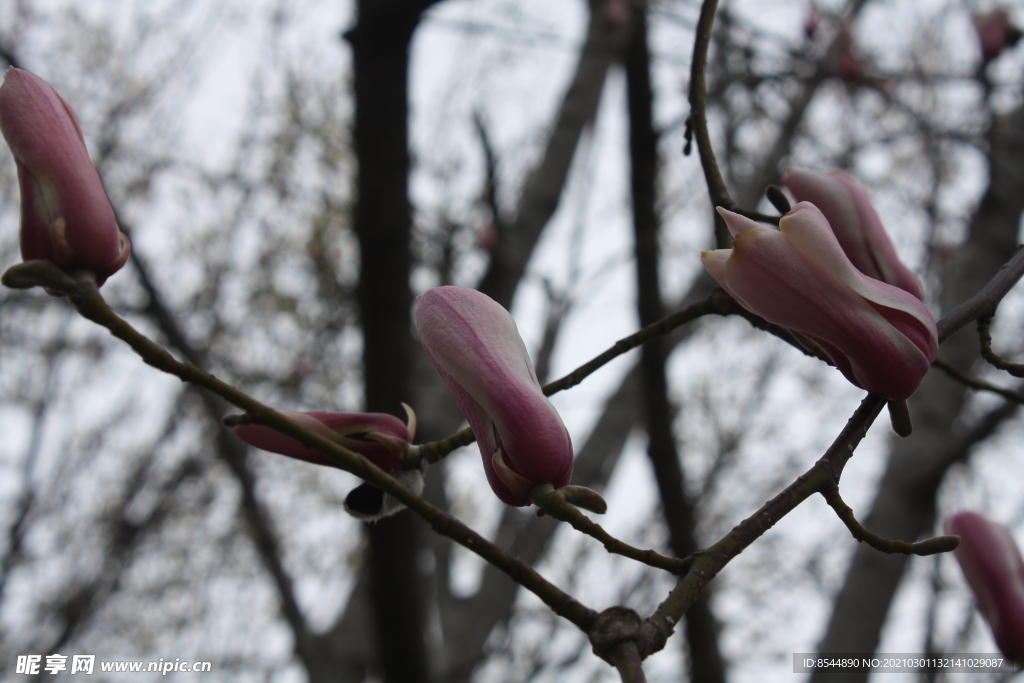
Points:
[[992, 564], [880, 337], [66, 216], [812, 22], [860, 232], [379, 437], [476, 347], [995, 33]]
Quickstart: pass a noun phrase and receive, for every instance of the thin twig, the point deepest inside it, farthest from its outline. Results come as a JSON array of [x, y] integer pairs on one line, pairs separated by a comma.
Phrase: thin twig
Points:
[[433, 451], [931, 546], [984, 302], [698, 107], [548, 499], [985, 337], [626, 344], [975, 383]]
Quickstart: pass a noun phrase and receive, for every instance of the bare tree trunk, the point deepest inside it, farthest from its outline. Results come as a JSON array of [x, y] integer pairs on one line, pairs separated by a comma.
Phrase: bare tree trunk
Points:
[[705, 659], [466, 624], [383, 223]]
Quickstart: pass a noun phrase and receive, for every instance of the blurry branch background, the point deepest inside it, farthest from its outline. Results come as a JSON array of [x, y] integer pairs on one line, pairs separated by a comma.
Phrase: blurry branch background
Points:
[[293, 174]]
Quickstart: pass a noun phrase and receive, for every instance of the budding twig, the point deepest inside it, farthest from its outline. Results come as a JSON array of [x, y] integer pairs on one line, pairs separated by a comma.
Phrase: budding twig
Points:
[[899, 417], [551, 502], [985, 337], [81, 290], [975, 383], [931, 546]]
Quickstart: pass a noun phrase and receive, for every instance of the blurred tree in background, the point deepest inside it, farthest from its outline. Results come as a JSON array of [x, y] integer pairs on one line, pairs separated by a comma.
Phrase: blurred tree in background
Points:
[[292, 175]]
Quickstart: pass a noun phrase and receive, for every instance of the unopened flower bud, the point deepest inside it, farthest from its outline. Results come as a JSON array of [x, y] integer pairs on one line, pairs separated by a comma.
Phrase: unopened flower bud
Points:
[[379, 437], [476, 347], [881, 338], [992, 564], [66, 216]]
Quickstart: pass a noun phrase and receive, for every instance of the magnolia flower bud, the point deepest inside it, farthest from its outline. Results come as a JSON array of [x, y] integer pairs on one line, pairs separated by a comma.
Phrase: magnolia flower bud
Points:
[[860, 232], [992, 565], [66, 216], [476, 347], [880, 337], [995, 33], [378, 437]]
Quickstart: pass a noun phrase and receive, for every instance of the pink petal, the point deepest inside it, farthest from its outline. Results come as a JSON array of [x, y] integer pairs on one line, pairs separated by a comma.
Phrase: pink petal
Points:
[[856, 225], [807, 228]]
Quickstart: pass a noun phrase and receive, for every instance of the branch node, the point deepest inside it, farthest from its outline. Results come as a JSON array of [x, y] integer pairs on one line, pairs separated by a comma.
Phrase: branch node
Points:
[[618, 625]]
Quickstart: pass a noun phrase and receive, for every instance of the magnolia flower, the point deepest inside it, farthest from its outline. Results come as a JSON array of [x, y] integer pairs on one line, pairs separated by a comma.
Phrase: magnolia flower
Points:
[[995, 33], [848, 210], [476, 347], [379, 437], [880, 337], [66, 216], [992, 564]]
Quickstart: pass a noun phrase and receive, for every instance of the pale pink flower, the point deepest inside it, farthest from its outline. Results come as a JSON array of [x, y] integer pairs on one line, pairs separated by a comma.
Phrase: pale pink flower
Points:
[[66, 216], [992, 564], [856, 225], [476, 347], [881, 338]]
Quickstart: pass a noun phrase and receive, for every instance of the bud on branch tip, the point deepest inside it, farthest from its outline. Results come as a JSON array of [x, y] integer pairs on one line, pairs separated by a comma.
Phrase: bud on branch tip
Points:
[[66, 216]]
